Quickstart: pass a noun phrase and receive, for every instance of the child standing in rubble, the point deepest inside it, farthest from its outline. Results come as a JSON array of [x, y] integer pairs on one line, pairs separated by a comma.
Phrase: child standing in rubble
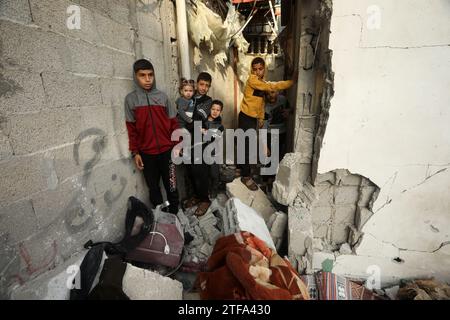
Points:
[[150, 121], [277, 110], [252, 112], [198, 176], [213, 130]]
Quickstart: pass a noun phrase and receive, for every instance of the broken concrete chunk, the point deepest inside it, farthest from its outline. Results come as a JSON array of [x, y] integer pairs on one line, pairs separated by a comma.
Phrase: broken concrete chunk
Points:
[[318, 244], [300, 228], [279, 228], [287, 183], [323, 261], [345, 249], [142, 284], [247, 219], [254, 199]]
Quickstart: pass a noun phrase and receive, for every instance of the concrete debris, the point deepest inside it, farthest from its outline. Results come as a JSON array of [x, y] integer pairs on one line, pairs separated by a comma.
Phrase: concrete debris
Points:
[[257, 200], [278, 228], [287, 183], [345, 249], [300, 231], [323, 261], [426, 289], [142, 284], [318, 244], [241, 217], [392, 292]]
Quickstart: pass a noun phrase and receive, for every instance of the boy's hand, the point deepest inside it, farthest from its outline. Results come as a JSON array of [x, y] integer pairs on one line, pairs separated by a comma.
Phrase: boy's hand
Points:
[[138, 161], [260, 123]]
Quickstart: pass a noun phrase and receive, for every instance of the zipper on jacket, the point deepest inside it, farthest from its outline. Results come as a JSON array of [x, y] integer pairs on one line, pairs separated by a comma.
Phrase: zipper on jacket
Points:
[[153, 123]]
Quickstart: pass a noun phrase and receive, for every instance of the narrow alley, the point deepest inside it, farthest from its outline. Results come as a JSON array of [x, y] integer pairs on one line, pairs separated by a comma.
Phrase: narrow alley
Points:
[[224, 150]]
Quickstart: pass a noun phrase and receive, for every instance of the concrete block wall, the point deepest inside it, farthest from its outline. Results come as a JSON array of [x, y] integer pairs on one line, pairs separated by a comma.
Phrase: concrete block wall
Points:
[[66, 173], [344, 204]]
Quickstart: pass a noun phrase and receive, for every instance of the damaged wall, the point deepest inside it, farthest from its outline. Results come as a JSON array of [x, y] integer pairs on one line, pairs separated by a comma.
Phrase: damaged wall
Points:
[[388, 122], [64, 161]]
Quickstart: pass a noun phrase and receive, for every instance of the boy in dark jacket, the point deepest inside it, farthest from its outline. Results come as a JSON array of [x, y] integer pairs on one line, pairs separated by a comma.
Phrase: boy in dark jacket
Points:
[[198, 177], [213, 129], [150, 121]]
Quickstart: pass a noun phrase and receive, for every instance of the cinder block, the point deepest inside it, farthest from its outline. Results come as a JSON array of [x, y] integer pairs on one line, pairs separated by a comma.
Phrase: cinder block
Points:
[[329, 177], [50, 286], [345, 215], [113, 179], [114, 34], [18, 221], [32, 48], [325, 192], [321, 231], [150, 25], [39, 131], [52, 204], [366, 194], [153, 50], [21, 176], [346, 195], [114, 91], [321, 215], [123, 65], [117, 10], [345, 178], [21, 91], [6, 150], [88, 59], [141, 284], [17, 10], [100, 117], [300, 228], [362, 215], [65, 90], [53, 16]]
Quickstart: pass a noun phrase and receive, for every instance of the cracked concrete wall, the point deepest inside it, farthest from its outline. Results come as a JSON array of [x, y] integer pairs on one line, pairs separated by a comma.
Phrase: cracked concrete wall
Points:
[[64, 161], [388, 122]]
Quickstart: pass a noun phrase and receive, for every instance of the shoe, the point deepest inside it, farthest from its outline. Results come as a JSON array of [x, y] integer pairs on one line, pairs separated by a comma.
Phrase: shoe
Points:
[[202, 208], [190, 202]]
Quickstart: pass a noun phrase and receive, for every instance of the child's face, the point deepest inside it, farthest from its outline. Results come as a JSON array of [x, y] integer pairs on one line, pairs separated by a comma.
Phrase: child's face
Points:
[[215, 111], [145, 79], [258, 70], [203, 87], [272, 96], [187, 92]]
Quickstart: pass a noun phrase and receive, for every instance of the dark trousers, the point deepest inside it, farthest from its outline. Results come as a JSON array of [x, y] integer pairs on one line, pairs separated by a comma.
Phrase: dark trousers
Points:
[[246, 122], [199, 175], [159, 166]]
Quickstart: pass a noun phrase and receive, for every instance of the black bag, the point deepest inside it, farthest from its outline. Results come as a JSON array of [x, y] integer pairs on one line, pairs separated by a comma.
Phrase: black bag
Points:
[[92, 261]]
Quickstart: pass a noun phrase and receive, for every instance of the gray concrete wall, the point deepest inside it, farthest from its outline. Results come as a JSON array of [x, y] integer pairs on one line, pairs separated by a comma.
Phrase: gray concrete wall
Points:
[[64, 167]]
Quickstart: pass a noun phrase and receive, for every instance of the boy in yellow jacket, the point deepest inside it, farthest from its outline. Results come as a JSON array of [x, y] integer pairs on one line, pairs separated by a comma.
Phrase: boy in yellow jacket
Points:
[[251, 115]]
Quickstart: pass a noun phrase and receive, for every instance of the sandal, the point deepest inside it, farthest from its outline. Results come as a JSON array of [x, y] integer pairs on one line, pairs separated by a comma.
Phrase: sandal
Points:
[[202, 208], [190, 202], [249, 183]]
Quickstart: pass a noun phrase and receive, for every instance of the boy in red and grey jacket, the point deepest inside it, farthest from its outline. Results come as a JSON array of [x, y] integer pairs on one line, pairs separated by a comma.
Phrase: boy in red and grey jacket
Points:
[[150, 120]]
